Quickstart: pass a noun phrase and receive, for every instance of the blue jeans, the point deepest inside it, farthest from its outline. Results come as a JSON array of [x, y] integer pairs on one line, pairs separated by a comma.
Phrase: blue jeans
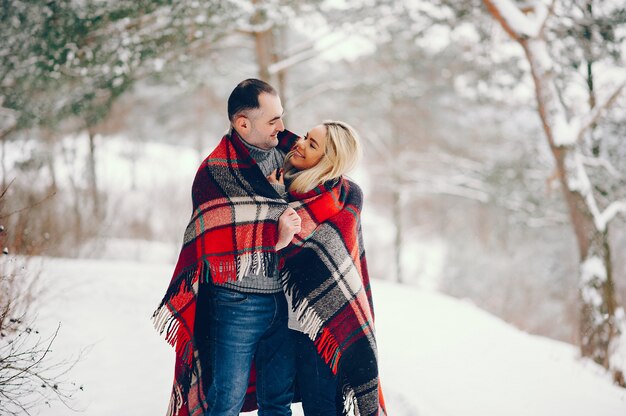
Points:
[[247, 326], [317, 383]]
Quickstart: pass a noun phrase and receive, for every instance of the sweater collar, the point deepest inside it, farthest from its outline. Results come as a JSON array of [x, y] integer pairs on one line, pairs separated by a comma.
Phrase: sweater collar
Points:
[[258, 154]]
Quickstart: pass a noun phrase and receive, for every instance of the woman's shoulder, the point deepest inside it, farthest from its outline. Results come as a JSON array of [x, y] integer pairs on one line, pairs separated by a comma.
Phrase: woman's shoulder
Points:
[[354, 191], [352, 185]]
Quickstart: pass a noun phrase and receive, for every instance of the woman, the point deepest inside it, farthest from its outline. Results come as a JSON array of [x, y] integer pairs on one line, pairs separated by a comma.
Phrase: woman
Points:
[[325, 276]]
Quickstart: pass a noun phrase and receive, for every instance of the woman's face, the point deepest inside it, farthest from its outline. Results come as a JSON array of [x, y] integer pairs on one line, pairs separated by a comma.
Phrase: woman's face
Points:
[[310, 149]]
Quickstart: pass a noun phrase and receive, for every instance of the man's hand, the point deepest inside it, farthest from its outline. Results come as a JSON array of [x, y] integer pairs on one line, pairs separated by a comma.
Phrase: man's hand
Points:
[[277, 177], [288, 226]]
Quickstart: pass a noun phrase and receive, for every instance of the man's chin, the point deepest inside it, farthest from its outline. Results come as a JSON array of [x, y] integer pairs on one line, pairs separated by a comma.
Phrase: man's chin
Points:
[[273, 141]]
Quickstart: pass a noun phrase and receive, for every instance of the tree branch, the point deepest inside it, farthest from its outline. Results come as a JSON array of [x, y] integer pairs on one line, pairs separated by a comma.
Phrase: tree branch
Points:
[[595, 114], [41, 201], [542, 13], [583, 186], [318, 90], [302, 56], [511, 18], [599, 162], [456, 186], [613, 210]]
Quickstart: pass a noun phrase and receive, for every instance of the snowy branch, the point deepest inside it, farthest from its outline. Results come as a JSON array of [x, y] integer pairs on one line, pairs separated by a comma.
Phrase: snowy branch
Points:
[[599, 162], [542, 13], [595, 114], [583, 186], [302, 56], [517, 24], [292, 60], [458, 185], [567, 133], [253, 28], [443, 188], [460, 162], [549, 217], [319, 89], [154, 22], [559, 130], [612, 211]]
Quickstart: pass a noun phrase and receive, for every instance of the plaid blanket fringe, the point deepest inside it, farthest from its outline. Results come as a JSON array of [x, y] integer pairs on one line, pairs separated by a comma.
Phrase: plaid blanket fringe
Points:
[[325, 273], [232, 232], [165, 320]]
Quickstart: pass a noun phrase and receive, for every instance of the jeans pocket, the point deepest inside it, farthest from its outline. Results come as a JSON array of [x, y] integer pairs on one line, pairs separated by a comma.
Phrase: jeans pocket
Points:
[[225, 296]]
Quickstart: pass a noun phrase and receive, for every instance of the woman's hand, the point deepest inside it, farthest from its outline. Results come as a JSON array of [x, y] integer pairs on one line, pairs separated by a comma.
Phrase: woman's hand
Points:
[[288, 226], [276, 177]]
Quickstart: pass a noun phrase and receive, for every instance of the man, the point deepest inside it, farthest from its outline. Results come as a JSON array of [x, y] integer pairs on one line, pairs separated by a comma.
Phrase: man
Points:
[[225, 307]]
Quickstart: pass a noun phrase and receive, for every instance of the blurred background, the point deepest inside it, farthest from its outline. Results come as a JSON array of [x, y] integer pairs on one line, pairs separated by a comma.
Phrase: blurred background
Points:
[[494, 164]]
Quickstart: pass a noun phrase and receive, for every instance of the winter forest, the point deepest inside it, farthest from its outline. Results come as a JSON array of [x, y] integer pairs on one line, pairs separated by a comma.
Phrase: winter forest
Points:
[[494, 175]]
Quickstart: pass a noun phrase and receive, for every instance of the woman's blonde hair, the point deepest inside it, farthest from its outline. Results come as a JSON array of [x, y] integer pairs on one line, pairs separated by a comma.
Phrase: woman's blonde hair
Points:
[[343, 151]]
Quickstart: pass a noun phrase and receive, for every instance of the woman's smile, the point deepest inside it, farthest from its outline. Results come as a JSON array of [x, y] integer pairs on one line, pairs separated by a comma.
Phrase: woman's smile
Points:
[[309, 149]]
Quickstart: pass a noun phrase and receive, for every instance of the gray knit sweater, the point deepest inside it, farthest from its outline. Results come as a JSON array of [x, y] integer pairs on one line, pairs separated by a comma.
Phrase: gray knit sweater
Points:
[[268, 161]]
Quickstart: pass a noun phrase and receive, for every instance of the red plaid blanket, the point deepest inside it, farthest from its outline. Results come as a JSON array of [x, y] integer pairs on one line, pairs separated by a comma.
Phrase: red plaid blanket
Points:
[[325, 271], [232, 232]]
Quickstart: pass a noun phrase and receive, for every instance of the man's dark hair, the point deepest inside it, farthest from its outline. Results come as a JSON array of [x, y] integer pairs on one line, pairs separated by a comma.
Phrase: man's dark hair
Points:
[[245, 96]]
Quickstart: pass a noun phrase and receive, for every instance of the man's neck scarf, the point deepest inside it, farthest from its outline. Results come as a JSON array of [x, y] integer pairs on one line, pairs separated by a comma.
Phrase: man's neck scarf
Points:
[[325, 271], [232, 233]]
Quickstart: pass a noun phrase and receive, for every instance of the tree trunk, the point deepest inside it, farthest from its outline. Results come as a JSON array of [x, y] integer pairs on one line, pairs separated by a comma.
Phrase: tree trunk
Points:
[[3, 138], [263, 43], [262, 47], [591, 334], [282, 74], [3, 163], [598, 322], [601, 328], [397, 221], [589, 58], [93, 182], [596, 308], [48, 137], [77, 198]]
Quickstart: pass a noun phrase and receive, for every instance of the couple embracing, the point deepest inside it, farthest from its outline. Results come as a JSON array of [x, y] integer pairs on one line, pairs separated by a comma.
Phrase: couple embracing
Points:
[[270, 299]]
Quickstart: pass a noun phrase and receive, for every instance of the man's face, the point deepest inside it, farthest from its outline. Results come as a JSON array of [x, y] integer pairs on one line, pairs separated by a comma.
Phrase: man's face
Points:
[[265, 122]]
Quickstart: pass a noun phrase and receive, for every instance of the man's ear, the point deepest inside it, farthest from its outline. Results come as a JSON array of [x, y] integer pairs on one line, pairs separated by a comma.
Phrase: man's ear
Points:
[[242, 124]]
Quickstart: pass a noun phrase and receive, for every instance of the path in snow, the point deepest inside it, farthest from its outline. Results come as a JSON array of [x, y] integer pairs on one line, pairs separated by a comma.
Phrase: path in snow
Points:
[[439, 356]]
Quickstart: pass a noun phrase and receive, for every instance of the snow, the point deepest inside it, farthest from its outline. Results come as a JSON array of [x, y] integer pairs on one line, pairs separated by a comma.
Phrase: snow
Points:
[[591, 269], [617, 348], [592, 275], [348, 46], [458, 359], [582, 185], [513, 16], [129, 250], [564, 133], [439, 356], [611, 211], [426, 259], [524, 25], [440, 38]]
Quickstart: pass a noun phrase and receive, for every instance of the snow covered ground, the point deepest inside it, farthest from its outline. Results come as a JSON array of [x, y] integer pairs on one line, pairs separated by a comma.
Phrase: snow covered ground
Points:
[[439, 356]]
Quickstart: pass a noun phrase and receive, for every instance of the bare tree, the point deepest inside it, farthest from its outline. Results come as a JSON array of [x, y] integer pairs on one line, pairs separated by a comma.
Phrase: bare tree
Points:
[[601, 317], [29, 376]]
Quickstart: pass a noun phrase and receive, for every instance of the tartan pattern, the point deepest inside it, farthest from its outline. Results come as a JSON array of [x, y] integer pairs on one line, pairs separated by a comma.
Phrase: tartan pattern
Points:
[[232, 232], [325, 272]]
